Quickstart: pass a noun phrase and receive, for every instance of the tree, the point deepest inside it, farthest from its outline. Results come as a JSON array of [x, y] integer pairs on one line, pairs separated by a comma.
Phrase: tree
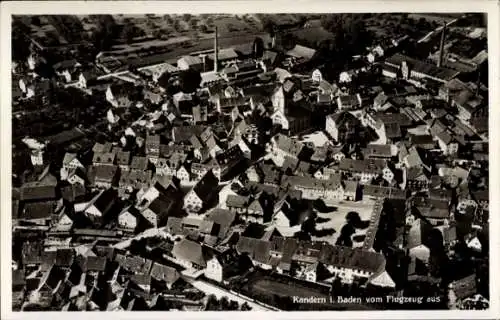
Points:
[[35, 20], [130, 31], [233, 305], [245, 307], [224, 303], [163, 80], [258, 48], [203, 28], [190, 80], [105, 32], [269, 27], [20, 41]]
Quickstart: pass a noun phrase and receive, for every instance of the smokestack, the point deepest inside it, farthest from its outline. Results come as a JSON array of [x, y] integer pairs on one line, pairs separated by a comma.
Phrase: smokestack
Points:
[[441, 46], [216, 51]]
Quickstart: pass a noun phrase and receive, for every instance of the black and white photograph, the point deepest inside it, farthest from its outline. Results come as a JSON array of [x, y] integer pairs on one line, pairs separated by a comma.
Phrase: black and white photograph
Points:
[[248, 161]]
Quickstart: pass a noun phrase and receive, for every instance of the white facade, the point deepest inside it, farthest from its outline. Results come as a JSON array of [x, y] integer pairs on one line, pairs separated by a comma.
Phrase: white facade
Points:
[[192, 201], [149, 215], [127, 220], [182, 174], [279, 118], [214, 270], [278, 100], [331, 128]]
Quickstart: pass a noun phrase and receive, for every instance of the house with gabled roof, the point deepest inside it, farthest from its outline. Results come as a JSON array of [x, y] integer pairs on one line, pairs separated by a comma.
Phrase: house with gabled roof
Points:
[[203, 193], [165, 205], [342, 127], [189, 254], [165, 273], [103, 177], [97, 208], [224, 218], [366, 170]]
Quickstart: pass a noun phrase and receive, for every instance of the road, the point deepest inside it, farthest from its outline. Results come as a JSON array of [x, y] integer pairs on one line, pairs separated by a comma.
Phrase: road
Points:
[[209, 288], [153, 232]]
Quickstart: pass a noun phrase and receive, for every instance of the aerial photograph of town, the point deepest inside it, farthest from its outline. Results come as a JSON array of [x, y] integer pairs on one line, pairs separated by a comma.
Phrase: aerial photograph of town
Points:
[[250, 162]]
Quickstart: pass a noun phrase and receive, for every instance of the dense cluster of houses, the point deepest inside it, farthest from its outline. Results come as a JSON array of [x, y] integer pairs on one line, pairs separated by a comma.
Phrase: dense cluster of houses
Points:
[[219, 170]]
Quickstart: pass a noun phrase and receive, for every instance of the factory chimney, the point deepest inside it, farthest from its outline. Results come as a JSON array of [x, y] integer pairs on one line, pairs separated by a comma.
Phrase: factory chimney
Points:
[[216, 51], [441, 46]]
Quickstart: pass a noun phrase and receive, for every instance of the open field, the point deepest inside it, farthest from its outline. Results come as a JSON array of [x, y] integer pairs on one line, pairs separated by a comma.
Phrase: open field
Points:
[[269, 286], [337, 219]]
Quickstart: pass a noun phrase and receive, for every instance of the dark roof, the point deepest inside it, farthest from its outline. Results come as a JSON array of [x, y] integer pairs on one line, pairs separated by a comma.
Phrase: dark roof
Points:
[[174, 225], [378, 150], [73, 192], [222, 217], [38, 210], [190, 251], [32, 252], [123, 158], [368, 165], [184, 133], [383, 192], [64, 257], [465, 287], [65, 64], [352, 258], [94, 263], [103, 173], [421, 139], [207, 186], [429, 208], [35, 191], [66, 136], [105, 199], [164, 273], [422, 67]]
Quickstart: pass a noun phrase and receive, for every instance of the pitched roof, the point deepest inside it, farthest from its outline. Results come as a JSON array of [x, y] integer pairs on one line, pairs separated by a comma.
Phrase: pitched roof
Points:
[[422, 67], [174, 225], [225, 54], [190, 60], [237, 201], [37, 191], [94, 263], [164, 273], [383, 192], [378, 150], [190, 251], [64, 257], [222, 217], [38, 210], [374, 166], [103, 173], [352, 258], [301, 52], [207, 186], [123, 158]]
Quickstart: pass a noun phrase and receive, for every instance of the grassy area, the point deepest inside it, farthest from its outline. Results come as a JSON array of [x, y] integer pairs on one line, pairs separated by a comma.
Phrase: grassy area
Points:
[[270, 286]]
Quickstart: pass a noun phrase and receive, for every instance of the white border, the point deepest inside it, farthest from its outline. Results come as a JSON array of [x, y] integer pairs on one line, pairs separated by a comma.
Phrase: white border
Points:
[[196, 7]]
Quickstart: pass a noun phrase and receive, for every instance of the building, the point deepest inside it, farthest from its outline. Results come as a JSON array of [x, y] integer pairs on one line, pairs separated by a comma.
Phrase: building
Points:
[[366, 170], [190, 62], [189, 254], [343, 127], [202, 193], [349, 102]]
